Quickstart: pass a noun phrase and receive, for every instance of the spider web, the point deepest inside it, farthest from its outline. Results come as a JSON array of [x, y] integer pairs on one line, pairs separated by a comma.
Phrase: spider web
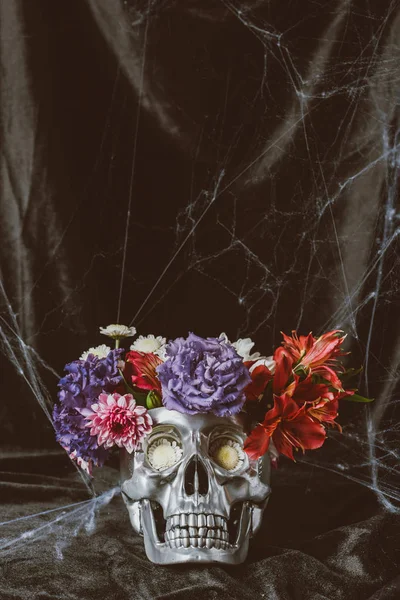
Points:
[[294, 223]]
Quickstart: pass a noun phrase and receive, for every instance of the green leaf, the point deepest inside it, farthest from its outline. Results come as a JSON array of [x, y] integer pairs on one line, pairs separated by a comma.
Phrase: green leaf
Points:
[[350, 373], [358, 398]]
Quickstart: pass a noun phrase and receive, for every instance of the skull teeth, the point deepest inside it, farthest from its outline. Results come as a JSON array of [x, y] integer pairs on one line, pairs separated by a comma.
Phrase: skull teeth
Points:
[[198, 531]]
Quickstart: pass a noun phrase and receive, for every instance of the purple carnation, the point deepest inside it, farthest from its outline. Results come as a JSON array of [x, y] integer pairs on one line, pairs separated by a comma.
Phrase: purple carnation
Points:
[[75, 438], [79, 389], [203, 375]]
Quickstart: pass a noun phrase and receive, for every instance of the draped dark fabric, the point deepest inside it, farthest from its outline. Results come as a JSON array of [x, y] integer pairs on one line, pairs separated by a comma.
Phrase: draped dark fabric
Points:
[[199, 166]]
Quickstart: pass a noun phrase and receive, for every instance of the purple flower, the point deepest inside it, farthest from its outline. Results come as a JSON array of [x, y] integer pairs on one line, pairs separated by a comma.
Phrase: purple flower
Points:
[[79, 389], [203, 375], [75, 438]]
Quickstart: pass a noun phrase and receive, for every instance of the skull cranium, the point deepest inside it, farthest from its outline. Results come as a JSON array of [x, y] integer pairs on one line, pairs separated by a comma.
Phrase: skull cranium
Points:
[[192, 491]]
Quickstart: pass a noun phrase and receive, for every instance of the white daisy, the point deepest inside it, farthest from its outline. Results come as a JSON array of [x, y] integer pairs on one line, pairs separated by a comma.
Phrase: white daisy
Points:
[[149, 343], [118, 331], [100, 351]]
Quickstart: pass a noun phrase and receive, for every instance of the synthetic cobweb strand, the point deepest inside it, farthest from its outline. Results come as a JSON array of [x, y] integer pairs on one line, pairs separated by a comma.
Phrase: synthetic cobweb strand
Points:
[[310, 90], [26, 361], [71, 520], [260, 301]]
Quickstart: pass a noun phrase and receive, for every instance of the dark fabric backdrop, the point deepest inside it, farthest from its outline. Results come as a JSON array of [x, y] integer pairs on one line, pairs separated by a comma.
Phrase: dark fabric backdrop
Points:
[[200, 166]]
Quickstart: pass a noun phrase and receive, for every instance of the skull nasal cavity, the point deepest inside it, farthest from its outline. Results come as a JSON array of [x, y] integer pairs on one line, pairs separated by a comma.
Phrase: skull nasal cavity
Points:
[[196, 478]]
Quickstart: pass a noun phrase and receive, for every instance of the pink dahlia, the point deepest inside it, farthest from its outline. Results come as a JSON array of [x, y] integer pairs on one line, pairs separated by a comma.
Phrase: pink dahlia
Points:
[[117, 420]]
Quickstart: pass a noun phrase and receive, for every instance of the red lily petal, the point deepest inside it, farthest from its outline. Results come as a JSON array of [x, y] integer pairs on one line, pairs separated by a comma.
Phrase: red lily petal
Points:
[[344, 394], [249, 363], [274, 415], [291, 427], [308, 434], [296, 346], [257, 443], [301, 433], [324, 412], [290, 389], [325, 348], [282, 444], [307, 391], [330, 375], [313, 352], [143, 370], [286, 407], [283, 369], [260, 377]]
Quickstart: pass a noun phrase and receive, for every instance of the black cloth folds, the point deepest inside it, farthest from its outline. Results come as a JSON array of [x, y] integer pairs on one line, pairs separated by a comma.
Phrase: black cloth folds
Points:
[[199, 166], [322, 538]]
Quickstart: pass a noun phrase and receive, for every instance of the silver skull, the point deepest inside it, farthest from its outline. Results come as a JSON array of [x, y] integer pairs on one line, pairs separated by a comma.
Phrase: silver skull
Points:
[[186, 495]]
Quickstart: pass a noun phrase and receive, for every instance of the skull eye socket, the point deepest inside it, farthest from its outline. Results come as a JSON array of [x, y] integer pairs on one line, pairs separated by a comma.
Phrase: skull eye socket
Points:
[[164, 452], [227, 453]]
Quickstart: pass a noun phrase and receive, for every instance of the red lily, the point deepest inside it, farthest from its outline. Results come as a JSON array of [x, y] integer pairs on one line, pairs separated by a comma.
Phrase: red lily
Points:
[[330, 375], [257, 443], [307, 391], [260, 376], [141, 369], [322, 403], [324, 411], [283, 370], [289, 427], [313, 352], [317, 355], [298, 346]]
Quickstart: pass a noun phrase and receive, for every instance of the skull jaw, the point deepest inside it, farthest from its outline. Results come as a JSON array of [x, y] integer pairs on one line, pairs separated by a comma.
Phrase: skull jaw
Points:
[[161, 553]]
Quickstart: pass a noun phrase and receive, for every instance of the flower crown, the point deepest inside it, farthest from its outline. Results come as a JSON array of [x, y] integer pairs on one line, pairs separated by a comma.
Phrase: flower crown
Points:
[[292, 396]]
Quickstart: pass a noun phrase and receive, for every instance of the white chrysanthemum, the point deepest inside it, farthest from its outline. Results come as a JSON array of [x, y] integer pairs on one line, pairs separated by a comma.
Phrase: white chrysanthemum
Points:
[[162, 352], [243, 347], [164, 453], [100, 351], [266, 361], [228, 454], [149, 343], [117, 332]]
